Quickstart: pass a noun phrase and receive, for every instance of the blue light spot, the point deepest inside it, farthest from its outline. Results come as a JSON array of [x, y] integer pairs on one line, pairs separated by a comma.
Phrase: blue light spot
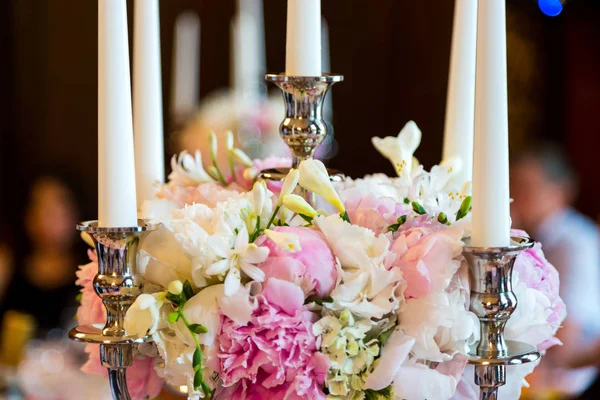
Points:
[[550, 7]]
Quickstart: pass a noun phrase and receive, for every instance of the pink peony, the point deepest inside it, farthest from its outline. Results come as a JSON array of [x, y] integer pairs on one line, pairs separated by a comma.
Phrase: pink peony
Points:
[[142, 380], [91, 310], [246, 182], [537, 273], [276, 354], [427, 258], [371, 212], [312, 267]]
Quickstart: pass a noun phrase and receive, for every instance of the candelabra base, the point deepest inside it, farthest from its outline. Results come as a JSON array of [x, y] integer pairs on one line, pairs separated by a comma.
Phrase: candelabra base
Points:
[[517, 353]]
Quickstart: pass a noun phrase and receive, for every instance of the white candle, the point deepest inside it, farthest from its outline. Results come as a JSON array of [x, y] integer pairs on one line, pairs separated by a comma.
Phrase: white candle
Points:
[[326, 65], [460, 104], [248, 64], [186, 66], [491, 219], [147, 100], [303, 40], [116, 171]]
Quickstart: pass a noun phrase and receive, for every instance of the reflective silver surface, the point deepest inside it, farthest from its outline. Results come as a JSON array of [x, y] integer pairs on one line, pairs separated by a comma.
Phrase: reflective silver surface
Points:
[[493, 301], [303, 127], [118, 285]]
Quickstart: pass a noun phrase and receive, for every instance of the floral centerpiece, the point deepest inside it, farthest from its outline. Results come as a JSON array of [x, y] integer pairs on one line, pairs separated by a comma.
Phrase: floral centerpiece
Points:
[[252, 293]]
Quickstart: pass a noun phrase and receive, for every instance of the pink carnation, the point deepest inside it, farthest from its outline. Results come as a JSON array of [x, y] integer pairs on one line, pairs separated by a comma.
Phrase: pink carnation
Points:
[[142, 380], [259, 165], [312, 267], [537, 273], [274, 356], [91, 310], [427, 258]]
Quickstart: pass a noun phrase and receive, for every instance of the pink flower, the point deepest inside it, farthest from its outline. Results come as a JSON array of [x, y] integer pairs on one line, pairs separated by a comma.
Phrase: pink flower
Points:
[[312, 267], [537, 273], [274, 356], [372, 212], [427, 258], [142, 379], [91, 310], [247, 180], [206, 193]]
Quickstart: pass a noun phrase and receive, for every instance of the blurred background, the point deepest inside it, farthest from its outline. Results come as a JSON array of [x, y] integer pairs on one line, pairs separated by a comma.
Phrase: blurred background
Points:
[[394, 55]]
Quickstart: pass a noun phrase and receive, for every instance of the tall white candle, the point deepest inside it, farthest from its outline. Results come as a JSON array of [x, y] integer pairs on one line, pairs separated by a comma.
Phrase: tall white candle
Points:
[[186, 65], [116, 171], [147, 100], [303, 40], [491, 218], [460, 104], [326, 63]]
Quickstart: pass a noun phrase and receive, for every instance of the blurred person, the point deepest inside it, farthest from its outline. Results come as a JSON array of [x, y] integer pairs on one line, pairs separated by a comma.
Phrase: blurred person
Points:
[[543, 187], [46, 258], [5, 268]]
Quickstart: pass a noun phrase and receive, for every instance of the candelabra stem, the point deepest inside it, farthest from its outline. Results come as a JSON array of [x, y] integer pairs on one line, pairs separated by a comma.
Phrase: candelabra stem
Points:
[[118, 384], [489, 394]]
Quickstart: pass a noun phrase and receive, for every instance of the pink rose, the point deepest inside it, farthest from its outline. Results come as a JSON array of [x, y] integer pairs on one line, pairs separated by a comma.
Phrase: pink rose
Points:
[[142, 379], [427, 258], [274, 356], [91, 310], [246, 182], [314, 267], [537, 273]]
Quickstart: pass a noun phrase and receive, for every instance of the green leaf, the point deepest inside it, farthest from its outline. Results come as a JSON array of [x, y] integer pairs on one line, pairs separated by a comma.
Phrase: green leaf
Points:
[[78, 297], [393, 228], [187, 292], [442, 218], [383, 394], [401, 219], [197, 359], [205, 389], [465, 207], [197, 329], [198, 380], [384, 336], [345, 217], [173, 298], [306, 218], [174, 317], [418, 208], [406, 200]]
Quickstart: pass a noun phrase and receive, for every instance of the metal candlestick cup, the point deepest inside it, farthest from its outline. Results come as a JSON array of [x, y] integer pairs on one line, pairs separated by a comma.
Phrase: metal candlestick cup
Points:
[[118, 285], [493, 301], [303, 128]]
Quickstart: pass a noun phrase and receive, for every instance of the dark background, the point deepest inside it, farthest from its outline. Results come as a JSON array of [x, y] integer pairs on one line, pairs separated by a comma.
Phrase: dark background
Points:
[[394, 55]]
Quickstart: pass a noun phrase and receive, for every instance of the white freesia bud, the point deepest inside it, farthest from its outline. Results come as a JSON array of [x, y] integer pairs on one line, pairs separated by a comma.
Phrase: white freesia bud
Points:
[[241, 157], [399, 150], [212, 171], [289, 184], [229, 141], [175, 287], [314, 177], [259, 195], [286, 241], [298, 205], [250, 173], [87, 239], [212, 139], [188, 170], [143, 316]]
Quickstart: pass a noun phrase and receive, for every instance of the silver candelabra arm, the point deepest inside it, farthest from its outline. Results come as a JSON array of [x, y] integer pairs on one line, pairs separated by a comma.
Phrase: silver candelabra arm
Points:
[[118, 285], [493, 301]]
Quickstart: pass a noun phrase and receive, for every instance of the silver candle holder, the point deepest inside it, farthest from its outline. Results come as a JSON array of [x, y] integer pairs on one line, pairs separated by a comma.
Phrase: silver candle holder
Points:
[[118, 285], [493, 301], [303, 129]]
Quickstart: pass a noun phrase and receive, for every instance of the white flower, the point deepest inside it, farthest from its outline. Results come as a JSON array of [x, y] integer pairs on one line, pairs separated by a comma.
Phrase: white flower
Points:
[[259, 197], [243, 257], [242, 158], [298, 205], [203, 309], [286, 241], [399, 150], [212, 140], [143, 317], [314, 177], [188, 170], [229, 141], [289, 184]]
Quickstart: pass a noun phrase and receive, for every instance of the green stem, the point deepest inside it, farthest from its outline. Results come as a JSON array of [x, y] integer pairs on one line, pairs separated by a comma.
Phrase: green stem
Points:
[[205, 387], [232, 166], [273, 216]]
